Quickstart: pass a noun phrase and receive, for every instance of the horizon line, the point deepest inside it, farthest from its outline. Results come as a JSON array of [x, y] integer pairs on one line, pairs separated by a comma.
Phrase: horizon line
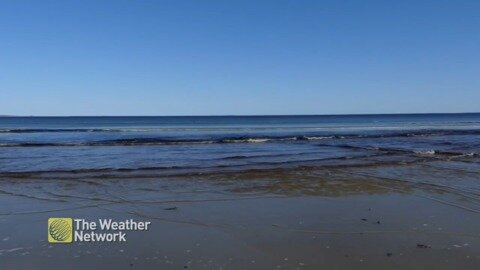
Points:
[[242, 115]]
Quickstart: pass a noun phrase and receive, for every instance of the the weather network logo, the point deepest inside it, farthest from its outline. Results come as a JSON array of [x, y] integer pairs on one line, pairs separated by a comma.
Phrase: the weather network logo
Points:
[[60, 230], [68, 230]]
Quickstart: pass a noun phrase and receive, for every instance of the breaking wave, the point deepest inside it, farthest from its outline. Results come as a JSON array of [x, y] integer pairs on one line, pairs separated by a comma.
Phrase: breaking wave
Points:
[[225, 139]]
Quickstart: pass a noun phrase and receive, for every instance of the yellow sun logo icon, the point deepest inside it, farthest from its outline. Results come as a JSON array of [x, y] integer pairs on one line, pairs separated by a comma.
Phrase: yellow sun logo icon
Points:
[[60, 230]]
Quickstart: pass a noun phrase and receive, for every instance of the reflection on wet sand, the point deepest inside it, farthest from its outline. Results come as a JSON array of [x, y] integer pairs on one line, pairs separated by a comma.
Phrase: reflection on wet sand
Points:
[[365, 215], [365, 176]]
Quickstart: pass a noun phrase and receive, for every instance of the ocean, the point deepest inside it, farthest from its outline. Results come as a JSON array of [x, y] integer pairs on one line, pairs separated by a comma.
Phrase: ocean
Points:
[[245, 192], [216, 143]]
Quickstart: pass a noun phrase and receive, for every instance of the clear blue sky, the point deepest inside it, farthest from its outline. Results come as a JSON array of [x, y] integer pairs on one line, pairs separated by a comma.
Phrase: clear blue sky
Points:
[[238, 57]]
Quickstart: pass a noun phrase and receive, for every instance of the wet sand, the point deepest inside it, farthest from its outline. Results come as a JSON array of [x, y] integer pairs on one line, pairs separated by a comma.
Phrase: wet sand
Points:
[[411, 216]]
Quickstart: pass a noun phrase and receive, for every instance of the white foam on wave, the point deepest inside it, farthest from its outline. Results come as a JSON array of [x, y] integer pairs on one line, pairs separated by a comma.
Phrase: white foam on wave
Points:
[[250, 140], [317, 137], [257, 140], [425, 152]]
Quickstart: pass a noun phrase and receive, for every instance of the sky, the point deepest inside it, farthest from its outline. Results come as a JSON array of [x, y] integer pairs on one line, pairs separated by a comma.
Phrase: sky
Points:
[[238, 57]]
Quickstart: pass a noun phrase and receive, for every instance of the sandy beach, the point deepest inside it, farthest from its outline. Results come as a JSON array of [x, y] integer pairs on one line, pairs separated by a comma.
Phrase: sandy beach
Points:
[[306, 218]]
